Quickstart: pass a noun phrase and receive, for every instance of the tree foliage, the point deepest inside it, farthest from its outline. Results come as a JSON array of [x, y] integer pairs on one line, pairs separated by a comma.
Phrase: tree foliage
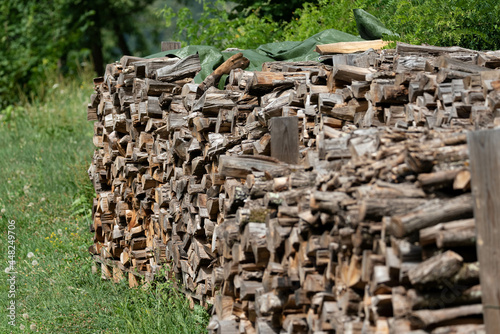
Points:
[[313, 18], [278, 11], [219, 26], [473, 24], [40, 37], [28, 48], [468, 23]]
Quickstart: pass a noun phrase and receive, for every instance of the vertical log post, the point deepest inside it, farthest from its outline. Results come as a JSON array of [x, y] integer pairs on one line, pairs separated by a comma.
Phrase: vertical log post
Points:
[[484, 152], [285, 139]]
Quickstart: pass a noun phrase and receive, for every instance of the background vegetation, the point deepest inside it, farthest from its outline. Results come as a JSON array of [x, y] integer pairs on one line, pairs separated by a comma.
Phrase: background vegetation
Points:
[[246, 24], [38, 38], [49, 52]]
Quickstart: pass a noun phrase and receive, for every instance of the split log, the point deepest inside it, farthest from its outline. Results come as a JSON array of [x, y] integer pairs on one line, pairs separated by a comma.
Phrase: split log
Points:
[[240, 167], [426, 318], [235, 61], [187, 67], [435, 269], [432, 214], [350, 47], [453, 234]]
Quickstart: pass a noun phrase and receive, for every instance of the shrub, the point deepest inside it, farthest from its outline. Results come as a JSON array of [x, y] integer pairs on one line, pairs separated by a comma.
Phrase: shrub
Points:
[[217, 27], [313, 18], [471, 24]]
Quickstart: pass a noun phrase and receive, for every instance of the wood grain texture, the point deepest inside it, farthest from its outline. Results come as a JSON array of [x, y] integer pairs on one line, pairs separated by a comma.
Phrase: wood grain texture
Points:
[[169, 45], [350, 47], [485, 163], [285, 139], [235, 61], [371, 231]]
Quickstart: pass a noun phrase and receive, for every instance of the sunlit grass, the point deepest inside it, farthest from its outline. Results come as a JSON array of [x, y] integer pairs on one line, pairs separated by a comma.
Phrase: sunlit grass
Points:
[[45, 151]]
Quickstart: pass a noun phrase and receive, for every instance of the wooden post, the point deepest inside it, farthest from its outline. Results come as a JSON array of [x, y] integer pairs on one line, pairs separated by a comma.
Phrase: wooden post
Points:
[[484, 155], [285, 139], [166, 46]]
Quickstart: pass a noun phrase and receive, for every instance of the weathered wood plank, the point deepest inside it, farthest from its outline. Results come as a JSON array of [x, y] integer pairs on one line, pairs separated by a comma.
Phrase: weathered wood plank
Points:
[[241, 166], [170, 45], [485, 163], [285, 139]]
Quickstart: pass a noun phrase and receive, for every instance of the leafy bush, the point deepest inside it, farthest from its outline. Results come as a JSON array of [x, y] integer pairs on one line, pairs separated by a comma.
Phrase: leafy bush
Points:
[[40, 38], [28, 50], [472, 24], [279, 11], [217, 27], [222, 26], [313, 18]]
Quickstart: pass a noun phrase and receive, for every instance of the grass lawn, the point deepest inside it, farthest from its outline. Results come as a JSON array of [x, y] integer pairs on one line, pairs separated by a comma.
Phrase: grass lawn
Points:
[[44, 153]]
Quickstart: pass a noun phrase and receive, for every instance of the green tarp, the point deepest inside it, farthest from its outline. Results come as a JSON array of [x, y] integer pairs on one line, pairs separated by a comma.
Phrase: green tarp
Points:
[[211, 57], [369, 27]]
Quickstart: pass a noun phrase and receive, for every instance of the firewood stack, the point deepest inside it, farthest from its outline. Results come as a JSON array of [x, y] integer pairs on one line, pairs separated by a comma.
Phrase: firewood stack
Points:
[[303, 198]]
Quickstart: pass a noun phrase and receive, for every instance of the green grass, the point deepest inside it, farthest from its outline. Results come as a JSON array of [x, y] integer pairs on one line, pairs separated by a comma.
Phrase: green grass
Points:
[[45, 150]]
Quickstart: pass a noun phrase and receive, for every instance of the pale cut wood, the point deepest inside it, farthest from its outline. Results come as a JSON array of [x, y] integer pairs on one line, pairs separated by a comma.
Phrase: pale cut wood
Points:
[[425, 318], [460, 329], [350, 47], [462, 180], [349, 73]]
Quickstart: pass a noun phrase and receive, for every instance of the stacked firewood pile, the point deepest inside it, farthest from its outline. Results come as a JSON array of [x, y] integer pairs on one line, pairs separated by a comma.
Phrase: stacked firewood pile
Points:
[[304, 198]]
